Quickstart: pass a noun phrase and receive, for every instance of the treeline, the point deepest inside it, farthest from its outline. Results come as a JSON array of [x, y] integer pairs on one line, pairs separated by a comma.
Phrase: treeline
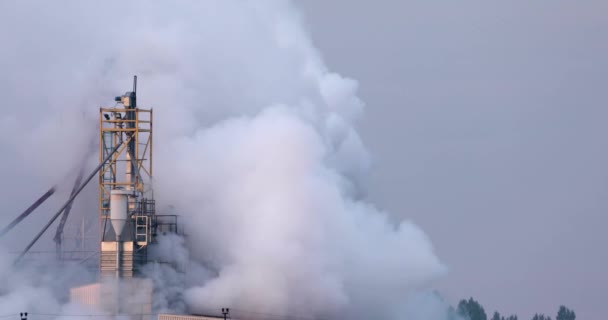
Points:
[[472, 310]]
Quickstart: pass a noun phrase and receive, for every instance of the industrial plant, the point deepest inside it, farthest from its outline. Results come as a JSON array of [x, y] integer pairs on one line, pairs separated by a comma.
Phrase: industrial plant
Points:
[[129, 223]]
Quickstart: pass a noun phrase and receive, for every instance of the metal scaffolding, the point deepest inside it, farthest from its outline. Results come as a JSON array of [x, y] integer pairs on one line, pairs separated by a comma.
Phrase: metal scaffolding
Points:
[[137, 133], [128, 172]]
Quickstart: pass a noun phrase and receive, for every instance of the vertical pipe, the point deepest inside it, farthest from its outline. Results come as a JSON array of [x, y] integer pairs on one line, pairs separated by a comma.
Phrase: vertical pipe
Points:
[[128, 172], [135, 160], [151, 144], [118, 256], [101, 145], [101, 191]]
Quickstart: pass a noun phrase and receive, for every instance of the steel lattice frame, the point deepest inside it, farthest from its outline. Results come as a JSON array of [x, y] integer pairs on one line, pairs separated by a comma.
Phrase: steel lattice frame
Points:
[[111, 175]]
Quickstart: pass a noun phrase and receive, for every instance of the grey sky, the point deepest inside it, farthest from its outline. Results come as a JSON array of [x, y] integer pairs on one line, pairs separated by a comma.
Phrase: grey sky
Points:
[[486, 121]]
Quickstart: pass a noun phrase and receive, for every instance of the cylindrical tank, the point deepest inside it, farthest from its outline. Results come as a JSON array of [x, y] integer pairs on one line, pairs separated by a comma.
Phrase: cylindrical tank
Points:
[[119, 200]]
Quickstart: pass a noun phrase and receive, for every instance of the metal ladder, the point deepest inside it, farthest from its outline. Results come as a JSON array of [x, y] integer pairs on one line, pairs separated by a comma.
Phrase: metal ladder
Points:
[[141, 229]]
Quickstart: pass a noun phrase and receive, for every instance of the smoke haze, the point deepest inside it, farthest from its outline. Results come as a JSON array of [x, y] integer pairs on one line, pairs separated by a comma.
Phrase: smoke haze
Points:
[[255, 147]]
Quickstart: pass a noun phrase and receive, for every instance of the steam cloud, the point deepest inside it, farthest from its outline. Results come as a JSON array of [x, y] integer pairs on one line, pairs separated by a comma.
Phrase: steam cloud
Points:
[[256, 149]]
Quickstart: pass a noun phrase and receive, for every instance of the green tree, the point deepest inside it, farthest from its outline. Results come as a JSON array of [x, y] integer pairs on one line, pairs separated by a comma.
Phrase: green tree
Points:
[[472, 310], [496, 316], [565, 314], [541, 317], [512, 317]]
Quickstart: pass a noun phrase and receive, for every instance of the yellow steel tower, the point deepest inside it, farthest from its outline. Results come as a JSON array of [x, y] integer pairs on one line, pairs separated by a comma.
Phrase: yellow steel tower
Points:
[[126, 204]]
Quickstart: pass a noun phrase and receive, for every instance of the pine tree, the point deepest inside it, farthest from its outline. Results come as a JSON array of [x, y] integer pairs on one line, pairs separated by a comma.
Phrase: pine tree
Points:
[[472, 310], [565, 314], [541, 317]]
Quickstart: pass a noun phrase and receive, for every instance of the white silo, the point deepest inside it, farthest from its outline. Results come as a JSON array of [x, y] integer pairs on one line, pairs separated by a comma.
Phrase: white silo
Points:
[[119, 201]]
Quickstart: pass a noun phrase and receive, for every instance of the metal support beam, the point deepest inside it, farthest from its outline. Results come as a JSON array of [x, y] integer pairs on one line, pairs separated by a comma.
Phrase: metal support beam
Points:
[[66, 212], [27, 211], [72, 197]]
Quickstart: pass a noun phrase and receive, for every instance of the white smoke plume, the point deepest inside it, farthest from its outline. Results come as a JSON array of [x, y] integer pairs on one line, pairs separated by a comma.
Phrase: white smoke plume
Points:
[[255, 146], [39, 287]]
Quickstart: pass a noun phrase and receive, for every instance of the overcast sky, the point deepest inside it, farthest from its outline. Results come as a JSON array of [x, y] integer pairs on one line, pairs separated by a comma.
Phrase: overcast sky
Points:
[[487, 123]]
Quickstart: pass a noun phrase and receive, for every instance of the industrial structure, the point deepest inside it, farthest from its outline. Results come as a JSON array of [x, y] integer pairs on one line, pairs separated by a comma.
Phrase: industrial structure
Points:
[[127, 211], [128, 221]]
